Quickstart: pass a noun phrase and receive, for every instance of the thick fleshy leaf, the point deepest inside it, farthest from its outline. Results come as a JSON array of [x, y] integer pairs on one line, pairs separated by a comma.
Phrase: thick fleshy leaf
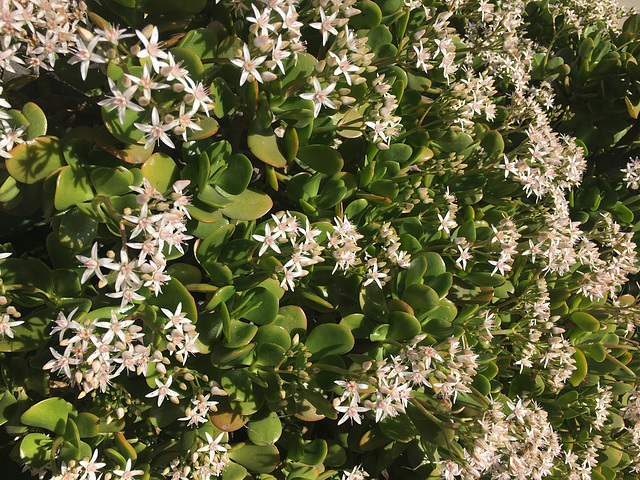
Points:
[[35, 449], [190, 61], [240, 334], [274, 334], [126, 132], [50, 414], [264, 428], [111, 181], [129, 152], [359, 325], [224, 100], [161, 171], [370, 15], [435, 265], [72, 187], [75, 229], [403, 326], [373, 302], [585, 321], [37, 120], [88, 425], [249, 205], [422, 298], [208, 125], [329, 339], [236, 176], [264, 306], [321, 158], [581, 368], [209, 248], [293, 319], [263, 144], [234, 471], [243, 397], [8, 407], [33, 160], [32, 334], [201, 41], [256, 458], [314, 452]]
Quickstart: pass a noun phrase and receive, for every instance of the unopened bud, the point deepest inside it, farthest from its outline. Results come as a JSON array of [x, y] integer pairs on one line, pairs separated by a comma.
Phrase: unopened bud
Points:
[[269, 76], [85, 34], [148, 31], [143, 101], [135, 50], [120, 412], [177, 87]]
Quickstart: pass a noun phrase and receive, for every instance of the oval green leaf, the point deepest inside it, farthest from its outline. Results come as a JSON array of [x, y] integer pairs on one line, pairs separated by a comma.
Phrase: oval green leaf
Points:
[[33, 160], [329, 339], [249, 205], [322, 158]]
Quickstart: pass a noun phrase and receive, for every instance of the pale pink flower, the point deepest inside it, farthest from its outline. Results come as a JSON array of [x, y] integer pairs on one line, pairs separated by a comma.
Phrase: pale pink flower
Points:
[[320, 96], [325, 25], [152, 48], [84, 54], [163, 391], [121, 100], [248, 65], [157, 131]]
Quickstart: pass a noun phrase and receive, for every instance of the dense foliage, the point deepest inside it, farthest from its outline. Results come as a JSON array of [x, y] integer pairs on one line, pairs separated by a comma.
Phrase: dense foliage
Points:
[[319, 239]]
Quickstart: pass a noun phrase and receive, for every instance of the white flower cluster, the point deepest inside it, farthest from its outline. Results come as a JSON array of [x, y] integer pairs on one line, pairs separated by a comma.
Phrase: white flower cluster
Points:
[[390, 250], [442, 46], [305, 249], [632, 173], [160, 231], [517, 444], [473, 99], [160, 70], [611, 263], [8, 312], [36, 32], [95, 352], [10, 135], [397, 377], [209, 460], [275, 36]]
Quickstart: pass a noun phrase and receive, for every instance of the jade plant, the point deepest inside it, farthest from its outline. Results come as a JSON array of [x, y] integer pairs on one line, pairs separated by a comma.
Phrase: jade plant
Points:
[[312, 240]]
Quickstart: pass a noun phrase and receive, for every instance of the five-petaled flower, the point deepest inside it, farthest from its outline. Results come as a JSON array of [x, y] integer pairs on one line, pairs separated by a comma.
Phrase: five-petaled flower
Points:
[[157, 131], [163, 391], [121, 100], [248, 65], [84, 54], [320, 96]]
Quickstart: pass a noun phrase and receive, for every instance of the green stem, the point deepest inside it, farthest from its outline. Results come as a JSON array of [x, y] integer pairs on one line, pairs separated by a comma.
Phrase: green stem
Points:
[[426, 412], [621, 365]]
